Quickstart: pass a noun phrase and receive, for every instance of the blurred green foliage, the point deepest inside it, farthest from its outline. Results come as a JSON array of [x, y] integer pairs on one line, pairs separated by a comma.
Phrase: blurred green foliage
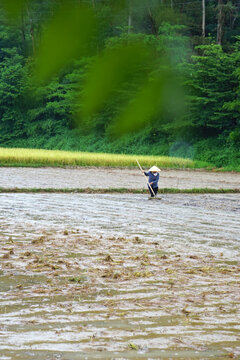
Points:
[[66, 36], [13, 8], [149, 101], [111, 70], [119, 68]]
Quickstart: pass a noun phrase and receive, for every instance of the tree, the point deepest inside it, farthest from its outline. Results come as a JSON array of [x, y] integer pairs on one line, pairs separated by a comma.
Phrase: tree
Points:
[[12, 98], [211, 84]]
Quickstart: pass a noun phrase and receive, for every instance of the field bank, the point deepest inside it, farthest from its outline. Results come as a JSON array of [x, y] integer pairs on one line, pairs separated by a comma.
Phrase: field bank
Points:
[[103, 178]]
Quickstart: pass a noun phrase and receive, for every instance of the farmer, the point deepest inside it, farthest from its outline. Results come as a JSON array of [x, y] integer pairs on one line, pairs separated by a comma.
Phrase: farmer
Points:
[[153, 178]]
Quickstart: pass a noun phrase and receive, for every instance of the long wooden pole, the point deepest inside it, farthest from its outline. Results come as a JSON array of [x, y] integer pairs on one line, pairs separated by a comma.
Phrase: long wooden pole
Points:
[[146, 178]]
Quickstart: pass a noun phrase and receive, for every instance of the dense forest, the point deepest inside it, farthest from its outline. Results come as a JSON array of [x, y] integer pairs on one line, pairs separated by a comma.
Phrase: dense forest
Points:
[[164, 76]]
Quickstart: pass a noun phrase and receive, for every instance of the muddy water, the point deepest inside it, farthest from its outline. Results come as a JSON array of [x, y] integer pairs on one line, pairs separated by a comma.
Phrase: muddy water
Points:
[[119, 277], [103, 178]]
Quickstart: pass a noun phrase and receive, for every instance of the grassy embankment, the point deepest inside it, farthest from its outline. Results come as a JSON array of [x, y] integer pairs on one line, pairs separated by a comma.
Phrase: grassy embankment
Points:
[[37, 158], [119, 191]]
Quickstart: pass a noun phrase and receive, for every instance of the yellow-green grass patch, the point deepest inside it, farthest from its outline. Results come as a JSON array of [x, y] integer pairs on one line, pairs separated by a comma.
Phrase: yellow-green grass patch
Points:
[[39, 157]]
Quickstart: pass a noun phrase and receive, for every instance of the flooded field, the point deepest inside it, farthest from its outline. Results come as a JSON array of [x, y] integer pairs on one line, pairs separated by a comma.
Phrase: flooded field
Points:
[[104, 178], [119, 277]]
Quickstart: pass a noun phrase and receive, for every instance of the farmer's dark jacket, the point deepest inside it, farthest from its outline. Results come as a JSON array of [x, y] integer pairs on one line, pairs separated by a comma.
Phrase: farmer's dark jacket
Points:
[[152, 178]]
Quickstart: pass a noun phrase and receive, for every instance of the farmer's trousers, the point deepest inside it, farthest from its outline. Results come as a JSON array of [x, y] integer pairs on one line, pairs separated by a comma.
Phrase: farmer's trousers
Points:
[[154, 192]]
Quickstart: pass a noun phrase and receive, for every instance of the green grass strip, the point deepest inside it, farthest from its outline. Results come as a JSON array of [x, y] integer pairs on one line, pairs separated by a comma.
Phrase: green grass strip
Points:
[[40, 157], [120, 191], [19, 157]]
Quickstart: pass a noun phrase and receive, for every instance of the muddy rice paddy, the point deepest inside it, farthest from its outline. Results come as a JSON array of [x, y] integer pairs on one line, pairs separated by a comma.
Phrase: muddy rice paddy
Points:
[[100, 178], [96, 276]]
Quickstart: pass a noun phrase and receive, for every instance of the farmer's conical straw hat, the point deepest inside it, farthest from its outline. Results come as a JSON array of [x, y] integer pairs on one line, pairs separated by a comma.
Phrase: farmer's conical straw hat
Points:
[[154, 169]]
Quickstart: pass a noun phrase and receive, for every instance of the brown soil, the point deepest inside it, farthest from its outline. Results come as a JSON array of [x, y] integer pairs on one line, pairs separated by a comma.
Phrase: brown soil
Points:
[[102, 178], [86, 276]]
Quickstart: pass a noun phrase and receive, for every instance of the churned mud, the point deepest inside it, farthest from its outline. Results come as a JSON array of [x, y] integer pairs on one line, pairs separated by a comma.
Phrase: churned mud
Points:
[[103, 178], [119, 277]]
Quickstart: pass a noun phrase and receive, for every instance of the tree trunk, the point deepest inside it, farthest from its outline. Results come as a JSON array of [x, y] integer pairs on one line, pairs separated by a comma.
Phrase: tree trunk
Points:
[[203, 19], [32, 36], [220, 22], [23, 27], [31, 31], [129, 18], [153, 23], [236, 15]]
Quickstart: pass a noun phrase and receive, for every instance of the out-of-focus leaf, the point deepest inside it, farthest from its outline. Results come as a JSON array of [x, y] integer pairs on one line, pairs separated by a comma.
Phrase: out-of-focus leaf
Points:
[[110, 72], [147, 102], [153, 99], [67, 36], [13, 8], [118, 5]]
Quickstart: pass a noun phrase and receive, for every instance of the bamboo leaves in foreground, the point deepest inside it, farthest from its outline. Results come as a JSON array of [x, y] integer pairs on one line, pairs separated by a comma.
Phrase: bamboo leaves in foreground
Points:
[[67, 36], [14, 8], [127, 73]]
